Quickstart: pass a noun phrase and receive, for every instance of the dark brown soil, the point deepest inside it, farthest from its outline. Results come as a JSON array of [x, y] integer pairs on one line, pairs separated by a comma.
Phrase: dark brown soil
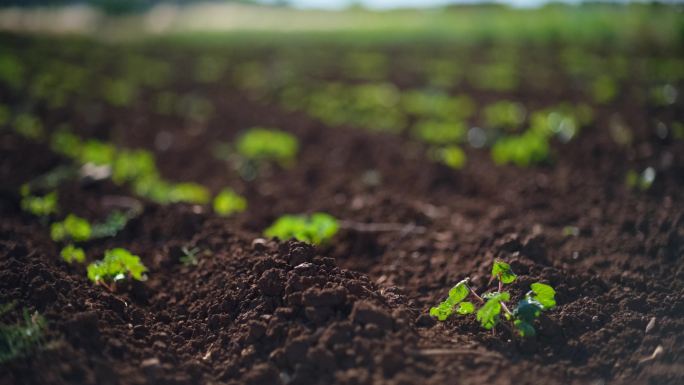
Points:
[[257, 311]]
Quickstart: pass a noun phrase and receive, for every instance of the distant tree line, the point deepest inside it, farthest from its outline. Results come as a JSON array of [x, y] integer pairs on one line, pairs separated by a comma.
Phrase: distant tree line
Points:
[[111, 6]]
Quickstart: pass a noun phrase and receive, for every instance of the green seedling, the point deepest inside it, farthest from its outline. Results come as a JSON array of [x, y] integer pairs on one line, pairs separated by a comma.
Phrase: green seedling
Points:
[[130, 165], [504, 114], [641, 182], [541, 297], [227, 203], [317, 229], [71, 253], [262, 144], [115, 222], [189, 255], [20, 339], [96, 152], [72, 228], [117, 264], [451, 156], [40, 206], [521, 150], [189, 193], [439, 133]]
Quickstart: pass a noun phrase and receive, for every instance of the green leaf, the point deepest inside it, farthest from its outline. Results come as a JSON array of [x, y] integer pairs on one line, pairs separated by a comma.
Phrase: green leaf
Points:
[[525, 329], [116, 265], [488, 315], [502, 271], [501, 297], [465, 308], [545, 294], [527, 310], [227, 202], [263, 144], [70, 253], [74, 228], [317, 229], [459, 292], [441, 311]]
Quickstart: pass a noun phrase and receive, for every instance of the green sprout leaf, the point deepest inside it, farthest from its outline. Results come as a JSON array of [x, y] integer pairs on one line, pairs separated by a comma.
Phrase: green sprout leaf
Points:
[[262, 144], [488, 315], [465, 308], [524, 329], [71, 253], [457, 294], [74, 228], [227, 202], [503, 272], [544, 294], [39, 206], [452, 156], [525, 313], [528, 309], [317, 229], [441, 311], [18, 340], [117, 265], [189, 193]]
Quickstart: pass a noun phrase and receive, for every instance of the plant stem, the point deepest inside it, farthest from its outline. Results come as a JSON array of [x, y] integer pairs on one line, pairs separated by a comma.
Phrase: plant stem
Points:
[[503, 305], [475, 294], [500, 283]]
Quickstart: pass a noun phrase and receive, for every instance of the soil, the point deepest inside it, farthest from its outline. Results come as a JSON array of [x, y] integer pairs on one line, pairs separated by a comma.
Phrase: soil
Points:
[[259, 311]]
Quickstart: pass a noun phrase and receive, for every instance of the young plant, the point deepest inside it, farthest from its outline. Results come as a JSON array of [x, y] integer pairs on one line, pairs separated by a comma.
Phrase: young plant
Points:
[[117, 264], [71, 253], [317, 229], [72, 228], [40, 206], [541, 297], [115, 222], [189, 255], [262, 144], [227, 203], [522, 150], [451, 156], [189, 193], [18, 340]]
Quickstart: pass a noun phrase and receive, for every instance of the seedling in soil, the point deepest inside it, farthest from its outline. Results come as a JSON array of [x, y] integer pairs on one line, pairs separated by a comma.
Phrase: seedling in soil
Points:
[[541, 297], [522, 150], [317, 229], [117, 264], [642, 181], [189, 192], [115, 222], [40, 206], [262, 144], [227, 203], [71, 253], [451, 156], [96, 152], [189, 256], [74, 228], [18, 340], [130, 165]]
